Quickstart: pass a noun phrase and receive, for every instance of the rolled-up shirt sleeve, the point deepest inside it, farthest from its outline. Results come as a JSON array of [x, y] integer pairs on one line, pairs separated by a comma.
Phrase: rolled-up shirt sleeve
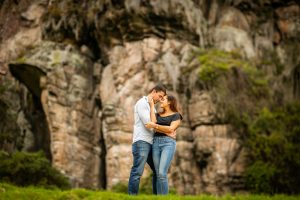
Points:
[[143, 111]]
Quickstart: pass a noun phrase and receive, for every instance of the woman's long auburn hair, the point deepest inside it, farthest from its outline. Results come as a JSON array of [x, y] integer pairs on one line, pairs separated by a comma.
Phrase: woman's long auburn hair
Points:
[[173, 104]]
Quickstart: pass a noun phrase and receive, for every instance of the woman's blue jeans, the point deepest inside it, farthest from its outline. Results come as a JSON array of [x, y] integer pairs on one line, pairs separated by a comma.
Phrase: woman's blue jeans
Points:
[[163, 150], [142, 153]]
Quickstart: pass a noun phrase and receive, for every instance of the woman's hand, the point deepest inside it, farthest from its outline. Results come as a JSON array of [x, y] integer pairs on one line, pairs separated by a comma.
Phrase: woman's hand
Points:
[[173, 135], [150, 125], [151, 102]]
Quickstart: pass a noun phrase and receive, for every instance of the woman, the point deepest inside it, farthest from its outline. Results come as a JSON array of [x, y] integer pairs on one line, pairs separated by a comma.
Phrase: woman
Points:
[[165, 124]]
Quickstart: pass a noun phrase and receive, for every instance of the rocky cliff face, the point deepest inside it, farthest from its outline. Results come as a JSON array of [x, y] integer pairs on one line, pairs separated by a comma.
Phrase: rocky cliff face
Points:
[[82, 66]]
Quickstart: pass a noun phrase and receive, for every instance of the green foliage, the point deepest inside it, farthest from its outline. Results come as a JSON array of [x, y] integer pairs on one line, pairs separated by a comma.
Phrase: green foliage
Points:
[[274, 145], [259, 177], [270, 132], [235, 84], [25, 169], [216, 63]]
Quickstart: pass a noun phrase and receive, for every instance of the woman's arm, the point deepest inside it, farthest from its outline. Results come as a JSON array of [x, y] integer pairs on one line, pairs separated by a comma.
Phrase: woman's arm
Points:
[[168, 130], [152, 111]]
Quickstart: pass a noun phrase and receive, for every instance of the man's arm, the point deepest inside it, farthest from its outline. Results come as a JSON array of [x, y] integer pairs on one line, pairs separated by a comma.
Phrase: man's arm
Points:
[[143, 112]]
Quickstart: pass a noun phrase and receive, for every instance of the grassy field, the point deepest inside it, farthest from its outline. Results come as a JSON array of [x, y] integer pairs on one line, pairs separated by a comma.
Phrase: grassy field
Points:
[[10, 192]]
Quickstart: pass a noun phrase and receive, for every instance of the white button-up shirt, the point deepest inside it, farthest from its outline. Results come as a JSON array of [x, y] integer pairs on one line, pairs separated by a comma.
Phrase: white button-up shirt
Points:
[[141, 117]]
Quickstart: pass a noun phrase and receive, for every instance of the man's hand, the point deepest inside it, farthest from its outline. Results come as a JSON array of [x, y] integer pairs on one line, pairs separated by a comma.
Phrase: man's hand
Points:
[[150, 125]]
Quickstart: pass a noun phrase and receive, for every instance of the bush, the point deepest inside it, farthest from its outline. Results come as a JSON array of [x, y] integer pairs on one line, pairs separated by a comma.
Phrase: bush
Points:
[[25, 169], [259, 177], [274, 144]]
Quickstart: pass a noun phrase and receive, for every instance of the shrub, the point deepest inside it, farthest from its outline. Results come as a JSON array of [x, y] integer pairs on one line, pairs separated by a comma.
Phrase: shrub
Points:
[[259, 177], [25, 169], [274, 144]]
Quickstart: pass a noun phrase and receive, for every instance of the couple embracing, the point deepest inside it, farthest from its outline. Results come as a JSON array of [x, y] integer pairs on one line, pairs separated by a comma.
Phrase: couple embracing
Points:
[[154, 139]]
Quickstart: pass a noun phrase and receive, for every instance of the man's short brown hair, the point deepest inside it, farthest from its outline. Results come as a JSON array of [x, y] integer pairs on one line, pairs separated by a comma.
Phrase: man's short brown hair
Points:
[[159, 88]]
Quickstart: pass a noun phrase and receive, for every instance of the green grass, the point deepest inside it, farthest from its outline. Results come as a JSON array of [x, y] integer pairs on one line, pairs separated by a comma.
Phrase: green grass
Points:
[[10, 192]]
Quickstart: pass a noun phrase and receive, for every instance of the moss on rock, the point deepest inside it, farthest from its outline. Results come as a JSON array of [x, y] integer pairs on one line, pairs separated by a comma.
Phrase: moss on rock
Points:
[[236, 85]]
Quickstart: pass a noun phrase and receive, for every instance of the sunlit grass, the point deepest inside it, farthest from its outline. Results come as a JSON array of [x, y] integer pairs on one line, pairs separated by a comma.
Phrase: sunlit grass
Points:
[[10, 192]]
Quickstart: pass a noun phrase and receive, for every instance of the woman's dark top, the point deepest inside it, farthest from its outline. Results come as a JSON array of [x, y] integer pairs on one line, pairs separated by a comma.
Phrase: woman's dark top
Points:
[[166, 121]]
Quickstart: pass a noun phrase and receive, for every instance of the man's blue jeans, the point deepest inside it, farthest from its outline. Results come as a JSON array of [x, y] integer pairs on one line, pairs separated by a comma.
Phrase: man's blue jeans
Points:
[[142, 153], [163, 150]]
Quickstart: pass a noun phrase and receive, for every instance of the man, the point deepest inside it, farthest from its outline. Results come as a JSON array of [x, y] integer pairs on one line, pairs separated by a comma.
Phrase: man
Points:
[[142, 139]]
